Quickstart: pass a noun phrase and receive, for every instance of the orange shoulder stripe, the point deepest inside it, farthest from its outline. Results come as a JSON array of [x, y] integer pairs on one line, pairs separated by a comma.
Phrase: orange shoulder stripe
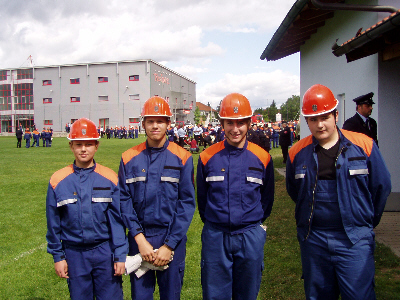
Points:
[[58, 176], [211, 151], [359, 139], [179, 151], [259, 152], [107, 173], [132, 152], [299, 146]]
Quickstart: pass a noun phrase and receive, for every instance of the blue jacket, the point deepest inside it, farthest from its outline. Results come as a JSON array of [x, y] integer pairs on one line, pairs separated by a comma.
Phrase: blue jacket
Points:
[[235, 186], [157, 191], [83, 210], [363, 183]]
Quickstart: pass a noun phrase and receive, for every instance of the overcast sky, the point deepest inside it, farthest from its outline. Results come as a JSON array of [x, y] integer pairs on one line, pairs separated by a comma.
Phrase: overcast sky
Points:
[[217, 43]]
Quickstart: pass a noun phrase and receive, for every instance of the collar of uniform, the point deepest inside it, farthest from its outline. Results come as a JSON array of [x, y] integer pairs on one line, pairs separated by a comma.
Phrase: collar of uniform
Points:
[[153, 149], [231, 148], [362, 117], [79, 170]]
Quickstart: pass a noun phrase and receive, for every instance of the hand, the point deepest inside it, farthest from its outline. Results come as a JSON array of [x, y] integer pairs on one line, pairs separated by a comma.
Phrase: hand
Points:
[[61, 268], [119, 268], [145, 248], [163, 256]]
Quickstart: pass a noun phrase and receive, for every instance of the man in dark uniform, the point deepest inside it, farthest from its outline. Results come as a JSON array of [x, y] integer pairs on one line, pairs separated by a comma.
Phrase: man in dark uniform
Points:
[[285, 140], [19, 134], [253, 136], [361, 121]]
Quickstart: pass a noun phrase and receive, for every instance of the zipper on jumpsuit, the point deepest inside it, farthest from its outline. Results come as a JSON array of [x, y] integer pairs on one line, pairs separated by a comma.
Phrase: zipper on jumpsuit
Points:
[[313, 201]]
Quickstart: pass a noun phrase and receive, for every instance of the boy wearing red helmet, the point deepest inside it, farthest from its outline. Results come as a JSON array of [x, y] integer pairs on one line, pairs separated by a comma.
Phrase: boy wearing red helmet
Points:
[[85, 232], [235, 193], [157, 203], [340, 184]]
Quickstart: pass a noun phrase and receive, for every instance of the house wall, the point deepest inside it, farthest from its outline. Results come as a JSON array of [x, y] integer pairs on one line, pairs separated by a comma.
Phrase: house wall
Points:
[[389, 112], [350, 80], [346, 80]]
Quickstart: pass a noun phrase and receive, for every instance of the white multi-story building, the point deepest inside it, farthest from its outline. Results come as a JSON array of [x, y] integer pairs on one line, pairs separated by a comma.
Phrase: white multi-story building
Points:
[[109, 93]]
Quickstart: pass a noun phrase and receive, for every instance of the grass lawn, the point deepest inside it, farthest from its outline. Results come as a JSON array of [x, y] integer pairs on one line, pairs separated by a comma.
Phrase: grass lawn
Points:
[[27, 271]]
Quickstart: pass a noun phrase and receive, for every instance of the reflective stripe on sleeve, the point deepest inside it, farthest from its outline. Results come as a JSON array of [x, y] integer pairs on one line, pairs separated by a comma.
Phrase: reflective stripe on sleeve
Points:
[[66, 201]]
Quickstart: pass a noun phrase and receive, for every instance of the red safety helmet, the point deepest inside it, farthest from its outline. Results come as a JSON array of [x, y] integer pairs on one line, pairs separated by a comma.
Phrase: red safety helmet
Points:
[[156, 107], [83, 129], [235, 106], [318, 100]]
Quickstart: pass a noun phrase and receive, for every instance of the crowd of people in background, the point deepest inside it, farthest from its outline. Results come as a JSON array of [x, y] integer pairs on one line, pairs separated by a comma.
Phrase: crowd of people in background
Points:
[[46, 135]]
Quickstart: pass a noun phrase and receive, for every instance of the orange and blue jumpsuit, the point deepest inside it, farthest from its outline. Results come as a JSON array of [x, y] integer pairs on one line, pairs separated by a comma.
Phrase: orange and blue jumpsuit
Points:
[[235, 194], [84, 227], [158, 200], [335, 215]]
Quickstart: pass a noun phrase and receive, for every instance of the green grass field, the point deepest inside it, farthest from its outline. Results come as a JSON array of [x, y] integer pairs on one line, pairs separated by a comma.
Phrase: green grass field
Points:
[[27, 272]]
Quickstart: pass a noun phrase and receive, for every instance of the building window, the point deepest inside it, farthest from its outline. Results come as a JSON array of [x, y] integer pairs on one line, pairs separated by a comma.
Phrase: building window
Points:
[[48, 122], [135, 97], [74, 81], [103, 79], [3, 75], [23, 96], [5, 103], [25, 74], [47, 100], [103, 98], [134, 120], [75, 99], [134, 78], [46, 82]]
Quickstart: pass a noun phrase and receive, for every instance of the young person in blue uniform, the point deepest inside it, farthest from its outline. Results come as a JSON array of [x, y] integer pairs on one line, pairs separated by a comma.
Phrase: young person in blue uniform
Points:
[[235, 193], [27, 138], [85, 232], [340, 183], [157, 203]]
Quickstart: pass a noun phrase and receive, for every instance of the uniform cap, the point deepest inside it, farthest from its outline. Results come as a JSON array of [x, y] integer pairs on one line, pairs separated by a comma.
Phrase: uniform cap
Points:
[[364, 99]]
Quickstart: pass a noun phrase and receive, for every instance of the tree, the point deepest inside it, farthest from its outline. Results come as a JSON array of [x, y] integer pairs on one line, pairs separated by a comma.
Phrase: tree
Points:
[[197, 115], [290, 110], [271, 111]]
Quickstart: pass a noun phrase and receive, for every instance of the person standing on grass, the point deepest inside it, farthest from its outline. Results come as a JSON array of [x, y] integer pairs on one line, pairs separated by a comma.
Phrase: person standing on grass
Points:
[[19, 134], [285, 140], [340, 183], [85, 232], [235, 194], [157, 203], [27, 138]]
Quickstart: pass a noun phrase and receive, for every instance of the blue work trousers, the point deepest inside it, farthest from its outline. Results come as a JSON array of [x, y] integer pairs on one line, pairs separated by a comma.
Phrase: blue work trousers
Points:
[[275, 140], [91, 273], [231, 265], [169, 281], [332, 265]]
